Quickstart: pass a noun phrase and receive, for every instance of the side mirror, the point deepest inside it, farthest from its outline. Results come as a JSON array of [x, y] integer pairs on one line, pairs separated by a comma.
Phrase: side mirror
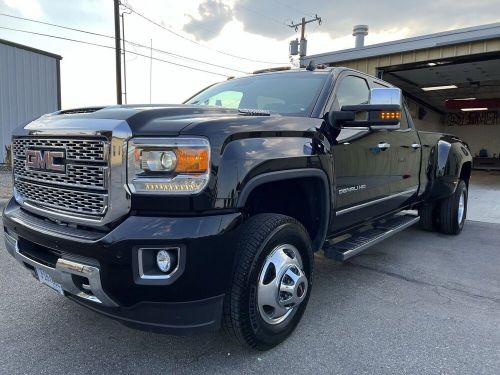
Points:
[[389, 95], [339, 119], [382, 112]]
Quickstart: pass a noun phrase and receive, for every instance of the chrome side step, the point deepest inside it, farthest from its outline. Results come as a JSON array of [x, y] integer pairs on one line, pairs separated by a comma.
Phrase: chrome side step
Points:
[[363, 239]]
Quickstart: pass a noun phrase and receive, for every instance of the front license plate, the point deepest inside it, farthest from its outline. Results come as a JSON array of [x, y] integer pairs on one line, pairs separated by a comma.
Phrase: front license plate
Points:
[[45, 278]]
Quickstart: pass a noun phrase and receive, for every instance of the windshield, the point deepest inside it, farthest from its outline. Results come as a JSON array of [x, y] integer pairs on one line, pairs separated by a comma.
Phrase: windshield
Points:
[[291, 94]]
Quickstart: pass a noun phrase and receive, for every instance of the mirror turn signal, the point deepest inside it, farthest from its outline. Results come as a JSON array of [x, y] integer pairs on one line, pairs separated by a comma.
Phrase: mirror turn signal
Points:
[[390, 115]]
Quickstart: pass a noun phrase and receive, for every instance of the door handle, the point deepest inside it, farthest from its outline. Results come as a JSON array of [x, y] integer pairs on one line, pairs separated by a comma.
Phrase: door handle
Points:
[[383, 145], [415, 146]]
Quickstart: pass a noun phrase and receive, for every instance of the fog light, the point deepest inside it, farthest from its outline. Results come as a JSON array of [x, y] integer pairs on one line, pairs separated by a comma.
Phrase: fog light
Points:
[[163, 260]]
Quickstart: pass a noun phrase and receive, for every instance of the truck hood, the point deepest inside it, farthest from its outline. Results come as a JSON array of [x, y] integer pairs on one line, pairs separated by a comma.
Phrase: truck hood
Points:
[[172, 120], [167, 120]]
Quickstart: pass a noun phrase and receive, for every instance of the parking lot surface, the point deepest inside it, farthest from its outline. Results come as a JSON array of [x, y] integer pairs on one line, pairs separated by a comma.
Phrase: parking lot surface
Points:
[[417, 303]]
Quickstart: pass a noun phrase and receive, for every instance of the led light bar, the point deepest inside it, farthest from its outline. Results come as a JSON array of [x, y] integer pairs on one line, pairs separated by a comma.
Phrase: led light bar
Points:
[[473, 109], [434, 88]]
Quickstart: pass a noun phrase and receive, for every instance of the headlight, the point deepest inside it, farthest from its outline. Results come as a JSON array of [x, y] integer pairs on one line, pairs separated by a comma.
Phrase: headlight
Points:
[[168, 165]]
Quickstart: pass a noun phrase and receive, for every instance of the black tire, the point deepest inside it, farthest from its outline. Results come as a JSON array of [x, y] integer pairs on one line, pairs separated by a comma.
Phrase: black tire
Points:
[[449, 221], [259, 235], [428, 217]]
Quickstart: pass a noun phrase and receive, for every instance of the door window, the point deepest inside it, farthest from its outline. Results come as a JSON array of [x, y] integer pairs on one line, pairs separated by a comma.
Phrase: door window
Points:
[[407, 116], [352, 91]]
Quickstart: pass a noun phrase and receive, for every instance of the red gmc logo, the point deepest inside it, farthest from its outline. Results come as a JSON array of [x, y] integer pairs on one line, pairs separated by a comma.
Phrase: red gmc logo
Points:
[[48, 160]]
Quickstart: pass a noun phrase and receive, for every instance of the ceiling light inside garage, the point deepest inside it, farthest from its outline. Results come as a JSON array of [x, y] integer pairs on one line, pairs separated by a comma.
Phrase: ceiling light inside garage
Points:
[[445, 87], [464, 99], [473, 109]]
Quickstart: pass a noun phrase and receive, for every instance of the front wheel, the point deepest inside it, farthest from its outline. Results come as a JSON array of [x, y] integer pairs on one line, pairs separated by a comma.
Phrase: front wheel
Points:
[[453, 210], [271, 281]]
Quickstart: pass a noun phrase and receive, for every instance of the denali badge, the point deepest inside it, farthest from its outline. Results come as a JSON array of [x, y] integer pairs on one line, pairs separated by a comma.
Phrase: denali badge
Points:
[[49, 160], [351, 189]]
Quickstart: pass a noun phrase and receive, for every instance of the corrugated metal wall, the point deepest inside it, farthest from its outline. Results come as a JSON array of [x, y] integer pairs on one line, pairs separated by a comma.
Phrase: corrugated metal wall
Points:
[[371, 64], [28, 89]]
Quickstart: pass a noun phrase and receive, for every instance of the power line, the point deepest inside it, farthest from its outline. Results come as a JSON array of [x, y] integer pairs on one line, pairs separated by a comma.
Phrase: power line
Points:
[[54, 25], [303, 41], [127, 41], [113, 48], [196, 42], [184, 57]]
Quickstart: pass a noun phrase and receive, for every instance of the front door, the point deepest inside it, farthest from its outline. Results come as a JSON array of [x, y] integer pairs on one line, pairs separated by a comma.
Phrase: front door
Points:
[[362, 161]]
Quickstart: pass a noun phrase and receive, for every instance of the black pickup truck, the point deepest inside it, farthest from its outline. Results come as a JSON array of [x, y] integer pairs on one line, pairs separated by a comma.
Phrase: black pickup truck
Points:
[[180, 218]]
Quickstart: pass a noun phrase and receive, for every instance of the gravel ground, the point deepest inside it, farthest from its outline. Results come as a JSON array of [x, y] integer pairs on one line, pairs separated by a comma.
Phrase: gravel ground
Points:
[[5, 184], [417, 303]]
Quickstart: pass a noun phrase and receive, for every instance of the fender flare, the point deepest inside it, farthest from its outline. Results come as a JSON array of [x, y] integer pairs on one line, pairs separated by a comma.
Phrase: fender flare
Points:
[[445, 169], [288, 175]]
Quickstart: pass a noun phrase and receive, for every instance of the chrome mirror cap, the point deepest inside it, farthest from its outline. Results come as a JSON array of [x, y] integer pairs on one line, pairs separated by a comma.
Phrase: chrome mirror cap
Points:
[[389, 95]]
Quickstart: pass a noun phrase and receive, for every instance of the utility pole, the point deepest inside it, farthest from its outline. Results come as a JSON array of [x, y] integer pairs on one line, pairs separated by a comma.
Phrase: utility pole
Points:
[[151, 70], [302, 24], [124, 58], [118, 53]]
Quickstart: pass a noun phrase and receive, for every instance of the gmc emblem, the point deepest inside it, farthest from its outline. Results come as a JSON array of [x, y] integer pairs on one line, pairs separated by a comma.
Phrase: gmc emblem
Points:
[[49, 160]]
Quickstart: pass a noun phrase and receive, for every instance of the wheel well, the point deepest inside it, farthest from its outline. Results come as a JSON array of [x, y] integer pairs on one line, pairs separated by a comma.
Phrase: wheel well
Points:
[[466, 172], [301, 198]]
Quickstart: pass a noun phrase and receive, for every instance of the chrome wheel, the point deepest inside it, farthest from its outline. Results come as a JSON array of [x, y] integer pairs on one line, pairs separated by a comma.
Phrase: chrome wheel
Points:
[[282, 284], [461, 207]]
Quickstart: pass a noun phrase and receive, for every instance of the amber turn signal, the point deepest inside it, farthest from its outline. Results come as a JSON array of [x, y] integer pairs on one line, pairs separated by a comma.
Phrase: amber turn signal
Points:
[[191, 160], [390, 115]]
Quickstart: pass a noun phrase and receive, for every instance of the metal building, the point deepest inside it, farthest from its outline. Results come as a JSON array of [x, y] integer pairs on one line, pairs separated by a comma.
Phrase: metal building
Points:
[[30, 86], [451, 80]]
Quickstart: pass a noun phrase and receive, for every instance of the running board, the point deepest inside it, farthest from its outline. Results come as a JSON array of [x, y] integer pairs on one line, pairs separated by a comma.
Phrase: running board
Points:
[[362, 240]]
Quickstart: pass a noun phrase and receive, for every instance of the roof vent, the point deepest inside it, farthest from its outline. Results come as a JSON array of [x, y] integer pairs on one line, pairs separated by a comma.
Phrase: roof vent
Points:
[[360, 31]]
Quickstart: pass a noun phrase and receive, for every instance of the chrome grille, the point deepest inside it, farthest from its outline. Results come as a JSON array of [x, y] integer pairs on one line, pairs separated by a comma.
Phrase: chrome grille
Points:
[[76, 149], [89, 176], [63, 199], [82, 190]]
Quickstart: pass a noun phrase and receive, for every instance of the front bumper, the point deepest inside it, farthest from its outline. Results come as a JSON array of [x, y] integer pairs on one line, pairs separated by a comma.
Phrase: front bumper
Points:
[[105, 263], [64, 273]]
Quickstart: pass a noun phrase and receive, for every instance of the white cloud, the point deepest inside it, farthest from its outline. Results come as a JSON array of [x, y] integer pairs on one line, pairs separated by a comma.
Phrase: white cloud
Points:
[[28, 8], [88, 76]]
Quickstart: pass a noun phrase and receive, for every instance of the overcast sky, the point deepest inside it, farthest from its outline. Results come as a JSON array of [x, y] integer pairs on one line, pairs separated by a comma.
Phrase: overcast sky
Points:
[[253, 29]]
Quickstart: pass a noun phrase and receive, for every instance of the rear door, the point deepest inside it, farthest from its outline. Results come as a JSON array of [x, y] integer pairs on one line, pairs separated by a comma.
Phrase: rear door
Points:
[[362, 160], [405, 166]]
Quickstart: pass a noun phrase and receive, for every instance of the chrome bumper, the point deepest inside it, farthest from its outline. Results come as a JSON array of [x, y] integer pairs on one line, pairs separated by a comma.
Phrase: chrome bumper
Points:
[[63, 274]]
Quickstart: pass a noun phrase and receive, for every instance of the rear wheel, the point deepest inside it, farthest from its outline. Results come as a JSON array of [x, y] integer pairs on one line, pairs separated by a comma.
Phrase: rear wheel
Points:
[[428, 219], [453, 210], [271, 283]]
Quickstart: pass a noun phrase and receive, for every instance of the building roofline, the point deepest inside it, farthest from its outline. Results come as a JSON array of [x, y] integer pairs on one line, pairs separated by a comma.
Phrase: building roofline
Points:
[[465, 35], [31, 49]]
